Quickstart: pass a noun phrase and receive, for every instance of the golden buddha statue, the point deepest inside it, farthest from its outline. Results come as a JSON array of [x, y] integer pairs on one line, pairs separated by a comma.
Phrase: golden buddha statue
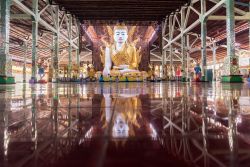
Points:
[[121, 53]]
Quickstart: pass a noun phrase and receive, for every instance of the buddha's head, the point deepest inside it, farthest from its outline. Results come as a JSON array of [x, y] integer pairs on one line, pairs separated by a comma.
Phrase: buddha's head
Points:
[[120, 33], [120, 127]]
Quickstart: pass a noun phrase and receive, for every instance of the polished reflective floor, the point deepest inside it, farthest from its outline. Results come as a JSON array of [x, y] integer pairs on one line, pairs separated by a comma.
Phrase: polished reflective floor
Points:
[[125, 124]]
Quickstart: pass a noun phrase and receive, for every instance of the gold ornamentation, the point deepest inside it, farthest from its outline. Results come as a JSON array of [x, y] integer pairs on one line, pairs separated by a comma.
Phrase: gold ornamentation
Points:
[[128, 55]]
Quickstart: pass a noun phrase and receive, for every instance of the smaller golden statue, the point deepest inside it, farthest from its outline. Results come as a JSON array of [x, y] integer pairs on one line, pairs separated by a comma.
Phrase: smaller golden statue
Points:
[[151, 71], [91, 71]]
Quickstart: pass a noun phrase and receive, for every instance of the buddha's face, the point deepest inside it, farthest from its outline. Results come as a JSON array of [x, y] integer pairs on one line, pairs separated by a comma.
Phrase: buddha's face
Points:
[[120, 128], [120, 36]]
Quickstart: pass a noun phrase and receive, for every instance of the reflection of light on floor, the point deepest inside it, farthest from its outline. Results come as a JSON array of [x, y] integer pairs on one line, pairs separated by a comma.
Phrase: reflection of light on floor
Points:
[[238, 119], [6, 140], [42, 90], [21, 125], [211, 98], [88, 135], [212, 121], [84, 92], [154, 133], [19, 103]]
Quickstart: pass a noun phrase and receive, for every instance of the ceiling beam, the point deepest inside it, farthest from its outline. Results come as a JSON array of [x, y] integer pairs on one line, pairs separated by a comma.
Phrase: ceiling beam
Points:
[[121, 9]]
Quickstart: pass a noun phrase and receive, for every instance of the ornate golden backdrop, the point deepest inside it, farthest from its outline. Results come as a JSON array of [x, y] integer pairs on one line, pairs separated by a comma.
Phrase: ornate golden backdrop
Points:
[[140, 36]]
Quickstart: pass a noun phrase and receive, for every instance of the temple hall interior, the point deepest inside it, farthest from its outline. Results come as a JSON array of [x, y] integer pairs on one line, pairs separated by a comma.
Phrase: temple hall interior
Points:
[[107, 83]]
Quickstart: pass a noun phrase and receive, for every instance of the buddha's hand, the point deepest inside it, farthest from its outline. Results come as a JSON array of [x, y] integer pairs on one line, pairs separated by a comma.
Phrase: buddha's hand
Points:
[[106, 71]]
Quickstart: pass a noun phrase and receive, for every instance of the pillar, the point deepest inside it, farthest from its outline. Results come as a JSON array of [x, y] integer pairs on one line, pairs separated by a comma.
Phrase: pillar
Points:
[[51, 62], [24, 96], [5, 58], [188, 59], [25, 62], [24, 69], [230, 72], [78, 44], [79, 48], [70, 47], [203, 41], [34, 41], [214, 61], [163, 61], [55, 65], [183, 46], [170, 46]]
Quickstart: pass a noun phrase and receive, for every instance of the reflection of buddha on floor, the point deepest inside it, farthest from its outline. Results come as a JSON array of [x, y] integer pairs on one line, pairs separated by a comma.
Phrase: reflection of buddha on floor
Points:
[[123, 55], [127, 111]]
